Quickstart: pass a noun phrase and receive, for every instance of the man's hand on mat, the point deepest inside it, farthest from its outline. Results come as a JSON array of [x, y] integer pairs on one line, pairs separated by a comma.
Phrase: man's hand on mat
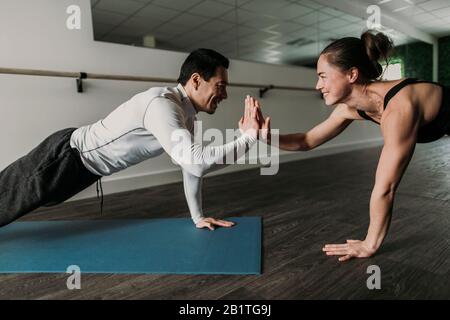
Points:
[[249, 122], [351, 249], [211, 222]]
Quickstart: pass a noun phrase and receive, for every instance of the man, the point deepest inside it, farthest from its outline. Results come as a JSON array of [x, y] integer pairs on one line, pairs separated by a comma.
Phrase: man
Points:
[[143, 127]]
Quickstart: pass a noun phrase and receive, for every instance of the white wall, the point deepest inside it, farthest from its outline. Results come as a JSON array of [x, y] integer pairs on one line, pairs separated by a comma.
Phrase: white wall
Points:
[[33, 35]]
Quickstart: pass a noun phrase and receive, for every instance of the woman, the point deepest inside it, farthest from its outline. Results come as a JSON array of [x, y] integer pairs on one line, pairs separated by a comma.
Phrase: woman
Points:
[[408, 111]]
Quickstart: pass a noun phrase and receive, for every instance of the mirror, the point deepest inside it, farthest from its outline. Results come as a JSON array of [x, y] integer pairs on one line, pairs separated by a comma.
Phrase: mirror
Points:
[[291, 32]]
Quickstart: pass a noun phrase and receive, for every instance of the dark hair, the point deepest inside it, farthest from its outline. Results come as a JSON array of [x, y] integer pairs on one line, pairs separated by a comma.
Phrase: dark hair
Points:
[[363, 54], [204, 62]]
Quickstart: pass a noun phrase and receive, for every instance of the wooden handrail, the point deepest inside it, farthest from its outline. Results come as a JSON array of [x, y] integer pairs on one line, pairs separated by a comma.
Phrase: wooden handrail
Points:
[[79, 76]]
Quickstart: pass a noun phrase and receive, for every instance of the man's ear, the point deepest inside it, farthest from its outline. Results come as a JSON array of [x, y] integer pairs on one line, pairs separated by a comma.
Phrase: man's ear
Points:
[[353, 75], [195, 77]]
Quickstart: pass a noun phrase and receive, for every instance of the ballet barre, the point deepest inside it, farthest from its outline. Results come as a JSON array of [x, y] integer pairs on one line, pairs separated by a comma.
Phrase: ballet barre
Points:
[[80, 76]]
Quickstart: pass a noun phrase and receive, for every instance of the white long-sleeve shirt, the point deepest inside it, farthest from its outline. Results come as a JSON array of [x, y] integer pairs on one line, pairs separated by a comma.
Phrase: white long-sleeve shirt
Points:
[[145, 126]]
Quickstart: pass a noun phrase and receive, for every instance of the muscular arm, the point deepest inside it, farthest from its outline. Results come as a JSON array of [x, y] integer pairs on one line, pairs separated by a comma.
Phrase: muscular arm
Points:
[[400, 135], [339, 119], [399, 128]]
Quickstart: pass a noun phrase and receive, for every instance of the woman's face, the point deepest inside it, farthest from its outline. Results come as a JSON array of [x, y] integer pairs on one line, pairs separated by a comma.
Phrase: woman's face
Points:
[[334, 84]]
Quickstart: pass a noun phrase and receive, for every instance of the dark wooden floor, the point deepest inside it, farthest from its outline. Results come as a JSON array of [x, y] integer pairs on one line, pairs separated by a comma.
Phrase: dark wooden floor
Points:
[[307, 204]]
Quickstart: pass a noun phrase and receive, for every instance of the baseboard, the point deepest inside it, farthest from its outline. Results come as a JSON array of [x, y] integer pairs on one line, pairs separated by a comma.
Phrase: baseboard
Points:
[[114, 185]]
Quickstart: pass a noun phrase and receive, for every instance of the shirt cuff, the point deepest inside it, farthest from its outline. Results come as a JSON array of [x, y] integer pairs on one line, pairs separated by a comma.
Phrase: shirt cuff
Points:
[[249, 139], [197, 219]]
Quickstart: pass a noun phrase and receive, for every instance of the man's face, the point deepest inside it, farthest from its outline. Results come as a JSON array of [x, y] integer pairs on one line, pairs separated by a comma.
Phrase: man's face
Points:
[[210, 93]]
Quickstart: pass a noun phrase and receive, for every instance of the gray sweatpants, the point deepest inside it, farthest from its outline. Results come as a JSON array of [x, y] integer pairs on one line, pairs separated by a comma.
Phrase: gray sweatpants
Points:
[[49, 174]]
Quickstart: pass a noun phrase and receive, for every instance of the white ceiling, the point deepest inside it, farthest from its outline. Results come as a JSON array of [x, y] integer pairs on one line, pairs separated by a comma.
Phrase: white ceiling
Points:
[[273, 31]]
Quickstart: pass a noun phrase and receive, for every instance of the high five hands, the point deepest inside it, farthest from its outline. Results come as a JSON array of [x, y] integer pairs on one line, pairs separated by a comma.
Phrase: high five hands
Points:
[[253, 121]]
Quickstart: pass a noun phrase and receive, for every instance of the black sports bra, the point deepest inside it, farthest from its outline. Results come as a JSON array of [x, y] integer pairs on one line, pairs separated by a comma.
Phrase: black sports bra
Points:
[[432, 131]]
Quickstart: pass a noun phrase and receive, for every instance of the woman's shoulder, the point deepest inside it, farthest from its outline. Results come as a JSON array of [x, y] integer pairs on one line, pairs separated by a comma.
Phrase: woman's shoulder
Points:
[[344, 111], [398, 91]]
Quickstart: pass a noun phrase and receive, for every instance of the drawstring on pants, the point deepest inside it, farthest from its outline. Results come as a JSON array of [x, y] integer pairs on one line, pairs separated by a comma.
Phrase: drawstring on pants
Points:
[[99, 184]]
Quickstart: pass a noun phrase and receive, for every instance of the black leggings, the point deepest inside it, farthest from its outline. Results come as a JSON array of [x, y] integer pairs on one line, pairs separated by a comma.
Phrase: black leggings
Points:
[[49, 174]]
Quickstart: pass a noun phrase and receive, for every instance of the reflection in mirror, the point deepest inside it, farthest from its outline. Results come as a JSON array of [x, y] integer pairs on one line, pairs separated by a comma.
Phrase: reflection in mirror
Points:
[[291, 32]]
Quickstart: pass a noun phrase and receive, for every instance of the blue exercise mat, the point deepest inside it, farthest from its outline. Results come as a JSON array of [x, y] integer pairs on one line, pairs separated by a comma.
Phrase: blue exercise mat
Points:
[[168, 246]]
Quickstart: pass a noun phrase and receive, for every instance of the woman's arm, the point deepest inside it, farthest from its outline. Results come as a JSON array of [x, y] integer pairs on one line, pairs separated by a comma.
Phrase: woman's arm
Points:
[[400, 136], [339, 119], [399, 130]]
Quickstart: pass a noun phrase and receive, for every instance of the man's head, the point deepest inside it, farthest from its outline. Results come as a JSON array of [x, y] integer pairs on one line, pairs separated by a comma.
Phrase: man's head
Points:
[[205, 78]]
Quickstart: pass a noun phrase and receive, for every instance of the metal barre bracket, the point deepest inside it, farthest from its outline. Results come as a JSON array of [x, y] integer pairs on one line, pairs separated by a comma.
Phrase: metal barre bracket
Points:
[[264, 90], [79, 80]]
